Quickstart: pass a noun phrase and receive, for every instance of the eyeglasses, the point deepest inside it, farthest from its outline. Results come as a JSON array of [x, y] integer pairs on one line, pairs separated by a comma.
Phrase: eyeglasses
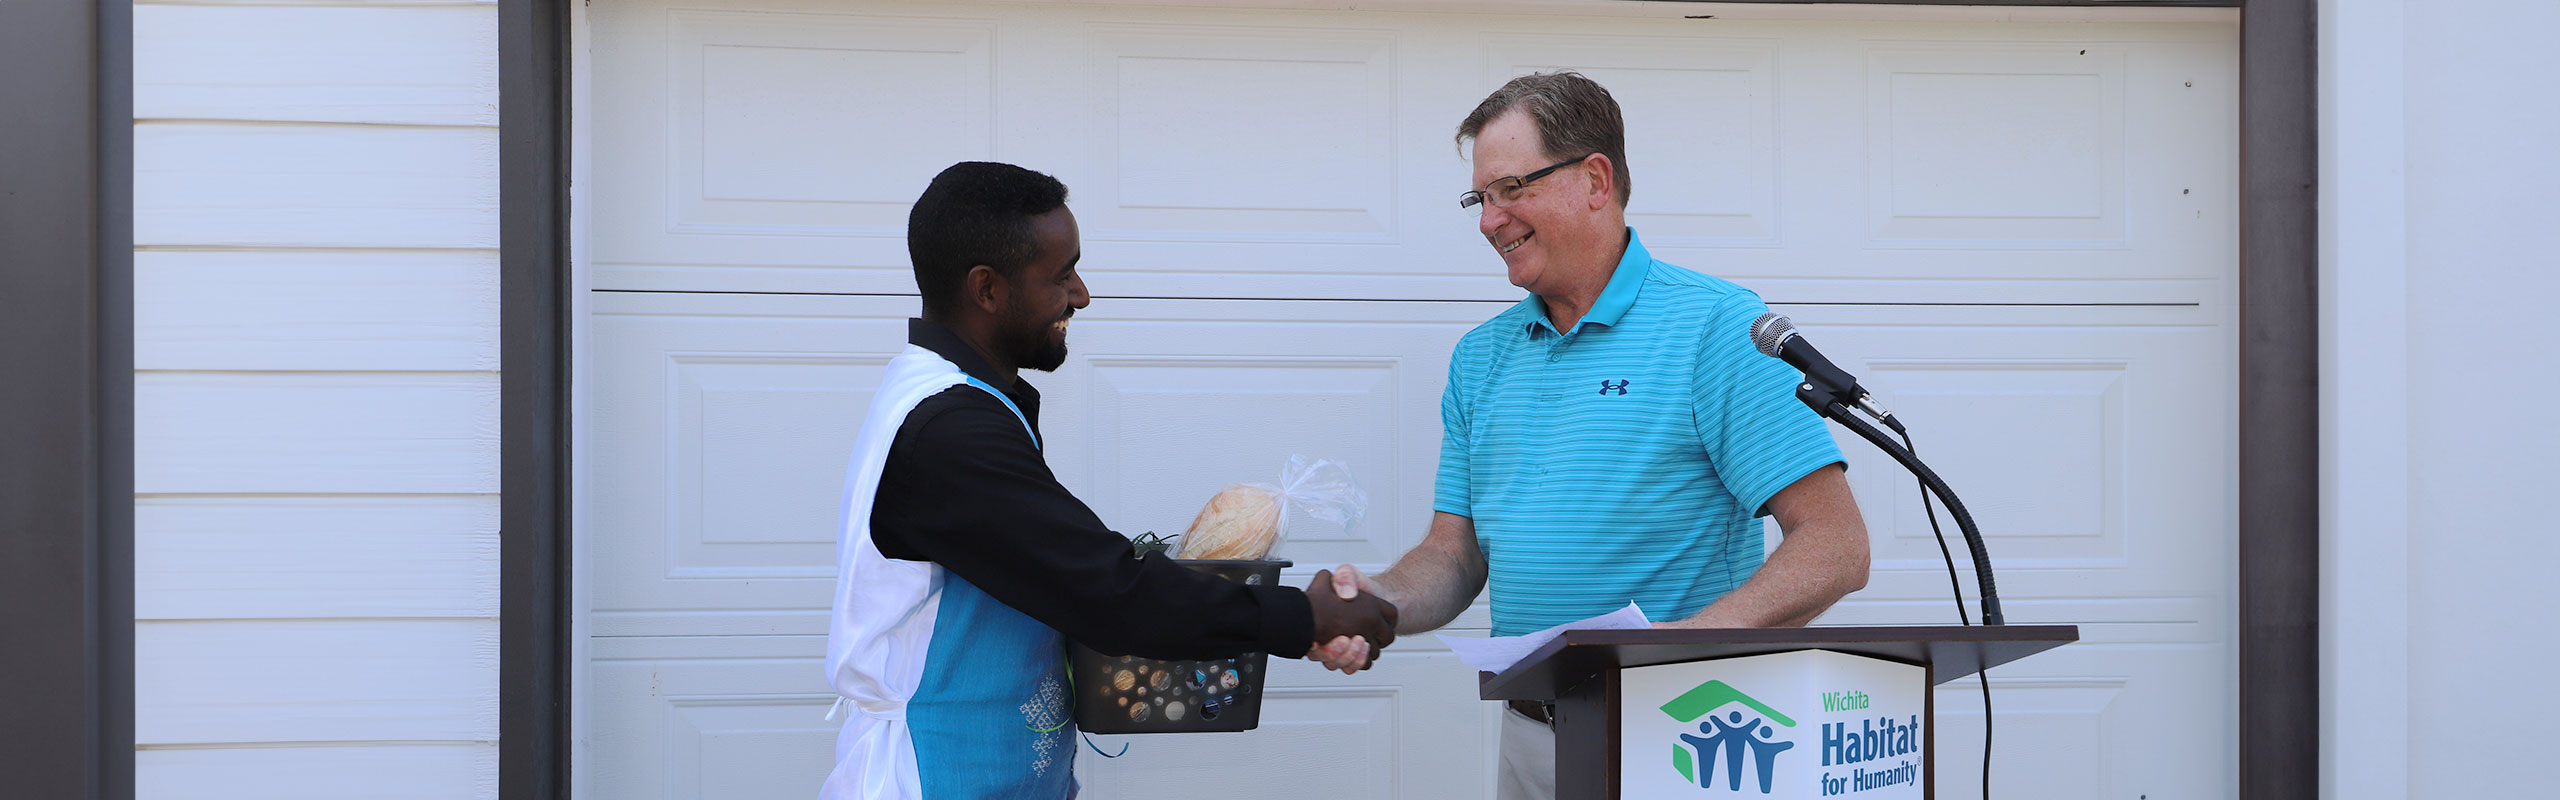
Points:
[[1502, 192]]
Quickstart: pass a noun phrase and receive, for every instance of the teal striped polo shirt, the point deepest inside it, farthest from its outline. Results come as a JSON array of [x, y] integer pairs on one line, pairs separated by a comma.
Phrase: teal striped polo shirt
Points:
[[1628, 458]]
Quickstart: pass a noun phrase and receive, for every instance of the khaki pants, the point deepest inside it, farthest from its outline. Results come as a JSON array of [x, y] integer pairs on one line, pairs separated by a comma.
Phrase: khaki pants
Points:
[[1528, 770]]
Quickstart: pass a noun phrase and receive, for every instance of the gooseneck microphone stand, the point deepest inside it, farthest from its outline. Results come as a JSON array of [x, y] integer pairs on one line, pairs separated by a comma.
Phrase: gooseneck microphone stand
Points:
[[1833, 405]]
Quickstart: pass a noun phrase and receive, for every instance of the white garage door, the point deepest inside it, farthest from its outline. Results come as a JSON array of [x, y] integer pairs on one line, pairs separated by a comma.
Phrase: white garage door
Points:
[[2023, 234]]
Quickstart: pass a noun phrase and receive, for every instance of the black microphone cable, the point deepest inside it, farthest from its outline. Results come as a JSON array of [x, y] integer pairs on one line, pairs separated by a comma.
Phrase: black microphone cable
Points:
[[1957, 588], [1770, 334]]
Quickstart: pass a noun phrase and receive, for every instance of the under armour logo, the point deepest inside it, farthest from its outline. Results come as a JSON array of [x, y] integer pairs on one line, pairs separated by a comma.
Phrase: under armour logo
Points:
[[1606, 387]]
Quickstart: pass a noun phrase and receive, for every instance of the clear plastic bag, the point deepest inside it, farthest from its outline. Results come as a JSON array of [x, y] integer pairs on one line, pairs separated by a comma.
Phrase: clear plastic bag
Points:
[[1247, 521]]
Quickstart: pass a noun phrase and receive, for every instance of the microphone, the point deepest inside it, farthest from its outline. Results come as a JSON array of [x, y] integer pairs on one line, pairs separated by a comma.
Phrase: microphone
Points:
[[1828, 389], [1776, 337]]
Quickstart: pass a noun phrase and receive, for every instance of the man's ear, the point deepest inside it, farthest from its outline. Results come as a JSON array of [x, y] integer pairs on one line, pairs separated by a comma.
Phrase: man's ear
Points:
[[1604, 180], [986, 290]]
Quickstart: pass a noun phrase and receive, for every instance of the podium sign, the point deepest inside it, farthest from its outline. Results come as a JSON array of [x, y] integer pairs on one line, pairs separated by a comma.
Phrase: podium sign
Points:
[[1801, 725], [1841, 712]]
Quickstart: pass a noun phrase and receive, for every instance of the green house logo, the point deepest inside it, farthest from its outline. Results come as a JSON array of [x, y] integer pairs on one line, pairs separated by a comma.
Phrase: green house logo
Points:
[[1731, 725]]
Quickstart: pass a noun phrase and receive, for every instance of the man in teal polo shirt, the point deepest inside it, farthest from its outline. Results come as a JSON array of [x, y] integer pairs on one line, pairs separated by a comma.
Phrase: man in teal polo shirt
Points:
[[1614, 437]]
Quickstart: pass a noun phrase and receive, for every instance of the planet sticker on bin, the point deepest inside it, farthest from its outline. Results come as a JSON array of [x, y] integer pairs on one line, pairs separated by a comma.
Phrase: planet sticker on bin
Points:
[[1118, 693]]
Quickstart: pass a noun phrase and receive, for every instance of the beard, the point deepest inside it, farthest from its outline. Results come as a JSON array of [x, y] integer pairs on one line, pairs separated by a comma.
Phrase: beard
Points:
[[1038, 350]]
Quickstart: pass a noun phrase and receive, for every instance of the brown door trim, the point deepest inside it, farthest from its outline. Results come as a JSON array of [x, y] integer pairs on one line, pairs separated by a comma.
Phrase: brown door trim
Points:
[[2279, 592], [533, 400], [66, 398]]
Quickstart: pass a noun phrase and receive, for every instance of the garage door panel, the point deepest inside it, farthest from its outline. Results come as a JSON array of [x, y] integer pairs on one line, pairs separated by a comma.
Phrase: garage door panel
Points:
[[1242, 134], [723, 423], [1165, 402], [719, 728], [2093, 720], [745, 145], [2039, 429], [783, 117], [1237, 153], [1701, 126], [2042, 448], [1169, 432], [758, 442], [2063, 722], [1989, 146]]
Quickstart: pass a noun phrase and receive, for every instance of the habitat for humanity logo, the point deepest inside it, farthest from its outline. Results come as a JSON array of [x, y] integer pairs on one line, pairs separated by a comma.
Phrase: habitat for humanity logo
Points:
[[1724, 732]]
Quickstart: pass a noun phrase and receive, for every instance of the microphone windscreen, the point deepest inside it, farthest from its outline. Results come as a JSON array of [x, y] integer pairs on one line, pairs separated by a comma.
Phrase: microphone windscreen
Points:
[[1770, 332]]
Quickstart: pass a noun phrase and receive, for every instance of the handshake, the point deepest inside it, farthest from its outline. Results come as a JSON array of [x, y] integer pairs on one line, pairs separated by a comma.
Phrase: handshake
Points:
[[1351, 626]]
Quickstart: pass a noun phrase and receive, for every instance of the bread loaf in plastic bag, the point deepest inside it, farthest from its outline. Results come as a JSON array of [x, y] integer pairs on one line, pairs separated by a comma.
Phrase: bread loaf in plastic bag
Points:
[[1245, 521]]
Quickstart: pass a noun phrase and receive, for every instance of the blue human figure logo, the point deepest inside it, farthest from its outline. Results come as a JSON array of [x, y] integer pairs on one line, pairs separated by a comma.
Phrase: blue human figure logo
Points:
[[1764, 751], [1732, 736], [1706, 747]]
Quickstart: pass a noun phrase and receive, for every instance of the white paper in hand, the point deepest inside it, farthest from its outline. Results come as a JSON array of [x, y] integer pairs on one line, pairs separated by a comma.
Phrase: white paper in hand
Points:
[[1500, 652]]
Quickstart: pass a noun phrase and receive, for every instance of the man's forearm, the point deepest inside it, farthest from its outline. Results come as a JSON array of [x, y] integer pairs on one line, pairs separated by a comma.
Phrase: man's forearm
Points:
[[1785, 598], [1807, 574], [1822, 559], [1426, 591], [1435, 581]]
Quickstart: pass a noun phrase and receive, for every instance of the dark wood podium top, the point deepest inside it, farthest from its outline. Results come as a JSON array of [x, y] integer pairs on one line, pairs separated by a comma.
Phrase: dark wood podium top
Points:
[[1951, 651]]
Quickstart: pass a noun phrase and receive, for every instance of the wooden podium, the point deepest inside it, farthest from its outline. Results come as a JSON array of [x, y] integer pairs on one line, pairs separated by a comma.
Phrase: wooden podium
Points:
[[1580, 672]]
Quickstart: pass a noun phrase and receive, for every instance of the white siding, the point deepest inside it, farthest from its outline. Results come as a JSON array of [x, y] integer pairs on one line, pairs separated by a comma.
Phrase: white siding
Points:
[[321, 555], [351, 680], [382, 65], [2437, 275], [302, 432], [392, 772], [316, 341], [274, 185], [331, 309]]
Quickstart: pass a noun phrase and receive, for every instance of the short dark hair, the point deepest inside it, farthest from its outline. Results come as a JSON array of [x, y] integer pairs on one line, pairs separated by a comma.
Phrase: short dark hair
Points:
[[976, 212], [1574, 115]]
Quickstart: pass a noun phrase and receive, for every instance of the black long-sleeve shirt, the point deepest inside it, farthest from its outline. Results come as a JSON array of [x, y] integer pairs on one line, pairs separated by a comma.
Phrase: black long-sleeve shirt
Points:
[[964, 487]]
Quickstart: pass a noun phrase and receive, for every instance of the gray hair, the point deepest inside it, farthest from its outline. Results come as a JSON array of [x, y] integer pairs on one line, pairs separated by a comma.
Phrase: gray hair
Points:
[[1574, 114]]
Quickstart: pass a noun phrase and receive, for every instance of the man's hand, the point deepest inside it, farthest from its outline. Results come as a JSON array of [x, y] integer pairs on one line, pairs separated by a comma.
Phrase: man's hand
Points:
[[1349, 627], [1345, 653], [1429, 586], [1349, 582]]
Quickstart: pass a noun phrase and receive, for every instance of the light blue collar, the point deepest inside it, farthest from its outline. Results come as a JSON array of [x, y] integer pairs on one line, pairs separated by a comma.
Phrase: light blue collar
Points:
[[1624, 284]]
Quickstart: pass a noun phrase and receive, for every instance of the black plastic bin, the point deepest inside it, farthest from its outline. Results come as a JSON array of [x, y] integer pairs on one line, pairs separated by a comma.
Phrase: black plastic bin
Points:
[[1128, 694]]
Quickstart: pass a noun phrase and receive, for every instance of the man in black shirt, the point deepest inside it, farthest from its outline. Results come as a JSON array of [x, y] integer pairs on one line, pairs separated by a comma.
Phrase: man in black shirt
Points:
[[964, 565]]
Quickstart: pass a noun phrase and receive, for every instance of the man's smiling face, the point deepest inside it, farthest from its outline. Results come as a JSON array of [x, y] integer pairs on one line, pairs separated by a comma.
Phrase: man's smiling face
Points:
[[1533, 231], [1045, 293]]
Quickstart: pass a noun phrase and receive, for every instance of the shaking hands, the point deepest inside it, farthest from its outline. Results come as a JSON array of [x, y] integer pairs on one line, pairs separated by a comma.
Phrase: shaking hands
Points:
[[1349, 650], [1351, 625]]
